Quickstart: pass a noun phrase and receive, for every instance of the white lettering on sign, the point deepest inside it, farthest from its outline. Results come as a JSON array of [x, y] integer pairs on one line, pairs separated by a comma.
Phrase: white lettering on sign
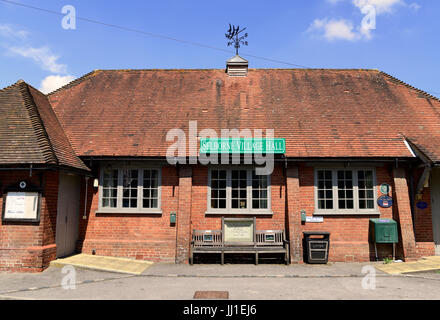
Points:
[[315, 219]]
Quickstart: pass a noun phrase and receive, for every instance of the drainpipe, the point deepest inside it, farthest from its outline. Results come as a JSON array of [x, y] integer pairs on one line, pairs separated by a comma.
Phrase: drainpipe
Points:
[[85, 199], [412, 197]]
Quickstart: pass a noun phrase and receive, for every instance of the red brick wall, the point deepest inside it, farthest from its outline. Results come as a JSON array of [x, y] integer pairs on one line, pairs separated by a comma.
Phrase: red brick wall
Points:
[[402, 214], [184, 214], [151, 237], [423, 221], [143, 237], [293, 215], [349, 234], [213, 222], [29, 247], [422, 217]]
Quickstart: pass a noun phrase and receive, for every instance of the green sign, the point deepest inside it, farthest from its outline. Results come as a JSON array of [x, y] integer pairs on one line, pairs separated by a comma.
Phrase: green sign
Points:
[[243, 145], [385, 188]]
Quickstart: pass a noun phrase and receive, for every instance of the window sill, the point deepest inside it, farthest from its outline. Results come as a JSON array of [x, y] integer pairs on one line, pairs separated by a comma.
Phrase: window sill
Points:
[[341, 213], [128, 212], [248, 213]]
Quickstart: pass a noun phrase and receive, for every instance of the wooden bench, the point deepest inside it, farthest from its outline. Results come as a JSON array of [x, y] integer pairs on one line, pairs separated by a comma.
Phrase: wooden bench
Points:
[[264, 241]]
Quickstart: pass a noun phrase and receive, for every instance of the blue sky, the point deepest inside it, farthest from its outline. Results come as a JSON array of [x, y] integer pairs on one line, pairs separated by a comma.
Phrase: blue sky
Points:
[[316, 33]]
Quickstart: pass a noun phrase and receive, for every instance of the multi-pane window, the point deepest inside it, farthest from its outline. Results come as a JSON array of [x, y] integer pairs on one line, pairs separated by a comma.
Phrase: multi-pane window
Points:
[[365, 189], [218, 189], [238, 191], [110, 188], [150, 189], [130, 190], [325, 189], [259, 191], [345, 190]]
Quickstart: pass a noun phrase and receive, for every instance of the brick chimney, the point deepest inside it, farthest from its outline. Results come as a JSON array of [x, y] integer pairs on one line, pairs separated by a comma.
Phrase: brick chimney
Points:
[[237, 67]]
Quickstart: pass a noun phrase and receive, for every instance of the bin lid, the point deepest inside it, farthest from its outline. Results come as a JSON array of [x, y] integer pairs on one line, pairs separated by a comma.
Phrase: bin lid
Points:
[[316, 233], [382, 221]]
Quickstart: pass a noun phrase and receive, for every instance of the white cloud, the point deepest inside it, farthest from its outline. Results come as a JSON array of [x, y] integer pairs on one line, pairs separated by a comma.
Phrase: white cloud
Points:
[[342, 29], [415, 6], [7, 31], [42, 56], [17, 45], [335, 29], [365, 31], [381, 6], [51, 83]]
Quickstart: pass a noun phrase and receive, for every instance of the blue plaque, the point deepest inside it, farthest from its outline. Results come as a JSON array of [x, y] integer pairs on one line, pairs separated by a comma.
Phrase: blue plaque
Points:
[[422, 205], [385, 201], [385, 188]]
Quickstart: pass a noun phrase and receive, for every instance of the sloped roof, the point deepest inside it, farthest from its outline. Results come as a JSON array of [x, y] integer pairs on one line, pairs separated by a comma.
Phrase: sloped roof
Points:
[[237, 59], [320, 112], [30, 132]]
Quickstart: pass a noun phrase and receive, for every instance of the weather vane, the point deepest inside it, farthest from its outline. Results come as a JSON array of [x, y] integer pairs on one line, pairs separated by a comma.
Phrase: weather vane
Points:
[[233, 35]]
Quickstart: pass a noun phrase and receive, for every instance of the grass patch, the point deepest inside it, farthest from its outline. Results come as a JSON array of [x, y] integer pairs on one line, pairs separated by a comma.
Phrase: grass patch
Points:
[[387, 260]]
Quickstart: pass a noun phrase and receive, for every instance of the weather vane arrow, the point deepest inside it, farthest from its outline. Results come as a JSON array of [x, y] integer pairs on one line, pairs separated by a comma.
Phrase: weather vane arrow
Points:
[[234, 37]]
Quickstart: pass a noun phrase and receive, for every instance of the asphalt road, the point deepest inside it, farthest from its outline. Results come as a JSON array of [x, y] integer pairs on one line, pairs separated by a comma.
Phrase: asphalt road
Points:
[[242, 282]]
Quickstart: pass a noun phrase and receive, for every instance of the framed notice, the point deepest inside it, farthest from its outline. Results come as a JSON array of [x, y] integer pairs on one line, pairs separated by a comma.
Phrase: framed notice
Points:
[[238, 231], [21, 206]]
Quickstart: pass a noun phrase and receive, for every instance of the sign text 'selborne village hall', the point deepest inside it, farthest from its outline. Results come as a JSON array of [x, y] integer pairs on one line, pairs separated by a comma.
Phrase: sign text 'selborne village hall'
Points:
[[243, 145]]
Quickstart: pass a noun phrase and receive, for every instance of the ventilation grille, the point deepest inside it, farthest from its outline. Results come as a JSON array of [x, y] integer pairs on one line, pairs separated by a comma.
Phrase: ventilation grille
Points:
[[237, 71]]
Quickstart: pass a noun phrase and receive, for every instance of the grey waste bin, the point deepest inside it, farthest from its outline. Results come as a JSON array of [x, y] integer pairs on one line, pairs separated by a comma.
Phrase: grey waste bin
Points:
[[316, 246]]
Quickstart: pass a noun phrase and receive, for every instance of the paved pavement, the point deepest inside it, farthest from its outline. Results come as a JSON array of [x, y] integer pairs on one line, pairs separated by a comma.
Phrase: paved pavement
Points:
[[424, 264], [243, 282], [104, 263]]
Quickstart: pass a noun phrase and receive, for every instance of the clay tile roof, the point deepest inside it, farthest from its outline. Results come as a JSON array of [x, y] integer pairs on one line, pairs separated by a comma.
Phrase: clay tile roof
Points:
[[320, 112], [30, 132]]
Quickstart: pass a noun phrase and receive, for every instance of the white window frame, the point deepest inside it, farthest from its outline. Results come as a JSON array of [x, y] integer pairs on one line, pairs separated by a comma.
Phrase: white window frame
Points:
[[356, 210], [139, 209], [234, 211]]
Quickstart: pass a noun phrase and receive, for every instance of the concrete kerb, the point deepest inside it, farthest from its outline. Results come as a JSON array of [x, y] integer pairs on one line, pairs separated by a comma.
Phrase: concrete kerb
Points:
[[261, 271]]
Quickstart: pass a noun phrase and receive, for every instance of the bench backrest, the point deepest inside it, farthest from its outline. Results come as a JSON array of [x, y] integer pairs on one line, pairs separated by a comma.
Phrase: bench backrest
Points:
[[207, 238], [271, 238], [214, 238]]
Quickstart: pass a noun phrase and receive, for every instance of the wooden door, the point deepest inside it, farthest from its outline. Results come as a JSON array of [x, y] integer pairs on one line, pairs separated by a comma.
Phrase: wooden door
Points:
[[68, 214], [435, 205]]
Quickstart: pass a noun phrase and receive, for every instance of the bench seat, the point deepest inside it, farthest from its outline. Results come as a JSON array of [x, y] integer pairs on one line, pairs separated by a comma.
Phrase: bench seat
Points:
[[265, 241]]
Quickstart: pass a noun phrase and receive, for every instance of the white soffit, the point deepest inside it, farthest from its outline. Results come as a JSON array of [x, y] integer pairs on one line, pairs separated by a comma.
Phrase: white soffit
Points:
[[409, 148]]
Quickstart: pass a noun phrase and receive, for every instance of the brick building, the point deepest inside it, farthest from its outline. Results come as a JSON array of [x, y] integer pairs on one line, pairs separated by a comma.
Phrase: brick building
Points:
[[38, 164], [346, 133]]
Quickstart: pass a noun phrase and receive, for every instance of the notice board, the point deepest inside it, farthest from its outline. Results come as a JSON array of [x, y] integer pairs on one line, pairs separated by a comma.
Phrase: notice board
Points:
[[21, 206], [238, 230]]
